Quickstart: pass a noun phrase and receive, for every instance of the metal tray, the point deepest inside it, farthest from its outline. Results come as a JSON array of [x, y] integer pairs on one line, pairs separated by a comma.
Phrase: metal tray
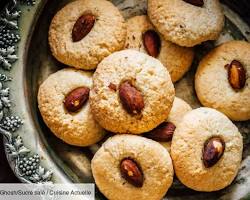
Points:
[[25, 61]]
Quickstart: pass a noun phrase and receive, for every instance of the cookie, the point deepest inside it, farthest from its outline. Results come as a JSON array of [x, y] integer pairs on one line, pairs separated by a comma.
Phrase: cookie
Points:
[[174, 19], [132, 92], [75, 128], [140, 36], [207, 147], [153, 177], [178, 110], [85, 31], [222, 80]]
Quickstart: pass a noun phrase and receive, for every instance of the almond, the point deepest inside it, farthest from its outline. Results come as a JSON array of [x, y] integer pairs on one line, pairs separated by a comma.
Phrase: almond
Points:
[[82, 27], [199, 3], [131, 98], [76, 99], [112, 86], [236, 75], [162, 133], [152, 42], [131, 172], [212, 151]]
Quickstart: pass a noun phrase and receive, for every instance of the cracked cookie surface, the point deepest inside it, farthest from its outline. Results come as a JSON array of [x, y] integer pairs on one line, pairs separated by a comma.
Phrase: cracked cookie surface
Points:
[[185, 24], [150, 78], [153, 159], [78, 128], [196, 127], [107, 35], [212, 83], [175, 58]]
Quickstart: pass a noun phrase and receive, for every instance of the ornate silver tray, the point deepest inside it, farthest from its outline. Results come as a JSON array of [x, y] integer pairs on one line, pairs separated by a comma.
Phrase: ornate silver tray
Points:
[[34, 153]]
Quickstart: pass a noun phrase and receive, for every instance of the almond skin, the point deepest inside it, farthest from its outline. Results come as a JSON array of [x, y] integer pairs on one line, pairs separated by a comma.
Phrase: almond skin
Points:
[[152, 43], [236, 75], [76, 99], [82, 27], [131, 172], [113, 87], [199, 3], [212, 151], [131, 98], [162, 133]]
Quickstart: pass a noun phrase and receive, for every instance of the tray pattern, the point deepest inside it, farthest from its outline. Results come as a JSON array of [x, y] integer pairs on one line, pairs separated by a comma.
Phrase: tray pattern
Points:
[[26, 164]]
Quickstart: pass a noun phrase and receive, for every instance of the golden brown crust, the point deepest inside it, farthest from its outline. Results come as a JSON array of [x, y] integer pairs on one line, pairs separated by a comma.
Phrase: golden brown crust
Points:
[[107, 35], [79, 128], [187, 144], [177, 21], [154, 160], [211, 81], [176, 59], [150, 77]]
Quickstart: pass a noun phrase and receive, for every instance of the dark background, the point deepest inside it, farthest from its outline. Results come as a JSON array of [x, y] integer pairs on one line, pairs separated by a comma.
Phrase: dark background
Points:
[[242, 7], [6, 174]]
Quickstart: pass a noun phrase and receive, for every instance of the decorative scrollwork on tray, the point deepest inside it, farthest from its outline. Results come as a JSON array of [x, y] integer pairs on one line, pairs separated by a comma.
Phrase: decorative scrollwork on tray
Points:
[[26, 165]]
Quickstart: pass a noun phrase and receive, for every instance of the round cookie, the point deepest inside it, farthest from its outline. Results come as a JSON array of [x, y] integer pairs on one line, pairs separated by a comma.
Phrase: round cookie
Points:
[[174, 19], [149, 78], [153, 160], [107, 35], [177, 112], [79, 128], [212, 83], [175, 58], [196, 128]]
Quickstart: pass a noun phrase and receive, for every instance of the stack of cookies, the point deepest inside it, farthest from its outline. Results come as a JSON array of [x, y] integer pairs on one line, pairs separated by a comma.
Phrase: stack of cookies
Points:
[[131, 94]]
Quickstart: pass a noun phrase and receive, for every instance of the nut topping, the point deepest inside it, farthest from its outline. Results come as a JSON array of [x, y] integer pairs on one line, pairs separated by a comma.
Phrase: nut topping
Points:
[[76, 99], [131, 98], [162, 133], [212, 151], [199, 3], [236, 75], [131, 172], [152, 42], [82, 27], [112, 86]]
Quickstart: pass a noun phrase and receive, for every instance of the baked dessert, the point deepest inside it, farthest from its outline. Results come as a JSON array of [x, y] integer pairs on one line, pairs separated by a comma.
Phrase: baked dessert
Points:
[[142, 36], [132, 92], [174, 19], [130, 167], [164, 132], [221, 80], [85, 31], [206, 150], [63, 104]]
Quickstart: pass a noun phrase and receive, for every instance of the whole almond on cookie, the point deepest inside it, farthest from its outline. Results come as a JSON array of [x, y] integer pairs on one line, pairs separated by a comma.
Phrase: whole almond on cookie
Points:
[[131, 172], [131, 98], [212, 151], [199, 3], [162, 133], [76, 99], [83, 26], [152, 42], [236, 74]]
